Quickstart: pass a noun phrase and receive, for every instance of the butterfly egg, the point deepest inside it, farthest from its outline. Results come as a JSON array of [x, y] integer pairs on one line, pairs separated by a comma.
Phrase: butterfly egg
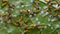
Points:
[[10, 30], [29, 10], [43, 15], [12, 9], [45, 27], [5, 27], [58, 15], [22, 32], [14, 15], [49, 19], [34, 8], [1, 22], [50, 15], [27, 4], [0, 18], [47, 13], [21, 11], [45, 7], [34, 14], [49, 24], [36, 19], [53, 19], [17, 6], [38, 23], [30, 16], [52, 28], [1, 11], [42, 12], [22, 6], [31, 0], [56, 5], [57, 26], [17, 2]]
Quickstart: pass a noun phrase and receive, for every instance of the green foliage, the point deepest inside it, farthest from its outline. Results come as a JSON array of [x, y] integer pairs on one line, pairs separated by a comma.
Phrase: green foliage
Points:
[[41, 18]]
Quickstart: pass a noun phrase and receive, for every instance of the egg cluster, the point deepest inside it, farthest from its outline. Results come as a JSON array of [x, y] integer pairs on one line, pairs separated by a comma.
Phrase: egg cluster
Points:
[[30, 17]]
